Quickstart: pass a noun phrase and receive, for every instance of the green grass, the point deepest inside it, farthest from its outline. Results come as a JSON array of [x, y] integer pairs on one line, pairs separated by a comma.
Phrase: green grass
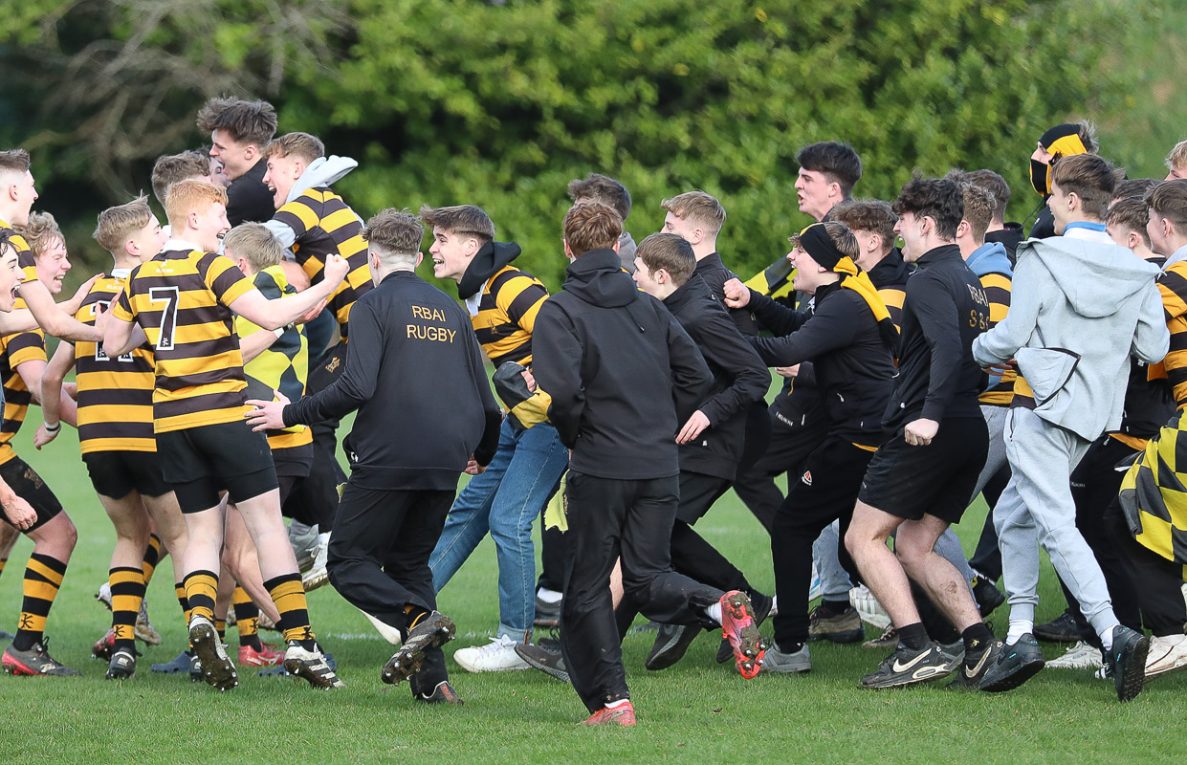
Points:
[[695, 712]]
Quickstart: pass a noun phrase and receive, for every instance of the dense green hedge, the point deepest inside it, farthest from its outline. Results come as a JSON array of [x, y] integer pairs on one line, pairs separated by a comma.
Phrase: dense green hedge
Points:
[[502, 104]]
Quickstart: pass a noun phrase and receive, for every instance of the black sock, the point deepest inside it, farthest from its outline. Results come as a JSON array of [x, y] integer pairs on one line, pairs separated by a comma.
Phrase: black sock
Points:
[[976, 639], [913, 636]]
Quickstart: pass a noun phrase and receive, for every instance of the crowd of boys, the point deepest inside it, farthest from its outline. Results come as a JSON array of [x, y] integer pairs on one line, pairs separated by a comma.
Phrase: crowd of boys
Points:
[[216, 356]]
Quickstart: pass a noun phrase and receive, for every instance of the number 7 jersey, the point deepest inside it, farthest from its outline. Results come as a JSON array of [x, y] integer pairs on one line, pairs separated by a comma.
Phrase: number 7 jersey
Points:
[[114, 395], [180, 299]]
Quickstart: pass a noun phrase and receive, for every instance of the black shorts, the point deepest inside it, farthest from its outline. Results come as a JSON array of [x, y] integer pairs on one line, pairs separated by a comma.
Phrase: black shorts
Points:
[[937, 479], [27, 485], [294, 461], [199, 463], [118, 474]]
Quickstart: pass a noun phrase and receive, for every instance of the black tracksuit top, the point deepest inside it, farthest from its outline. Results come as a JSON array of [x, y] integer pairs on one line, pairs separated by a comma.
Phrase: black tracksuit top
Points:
[[740, 380], [944, 310], [714, 273], [415, 374], [853, 367], [622, 374]]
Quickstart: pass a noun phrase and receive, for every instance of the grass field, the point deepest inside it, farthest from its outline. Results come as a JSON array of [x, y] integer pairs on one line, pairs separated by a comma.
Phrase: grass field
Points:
[[695, 712]]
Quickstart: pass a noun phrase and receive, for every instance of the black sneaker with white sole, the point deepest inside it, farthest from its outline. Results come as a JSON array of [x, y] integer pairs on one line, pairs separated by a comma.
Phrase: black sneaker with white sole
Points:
[[544, 657], [907, 666], [1127, 659], [433, 631], [671, 643], [974, 666], [443, 693], [1016, 663]]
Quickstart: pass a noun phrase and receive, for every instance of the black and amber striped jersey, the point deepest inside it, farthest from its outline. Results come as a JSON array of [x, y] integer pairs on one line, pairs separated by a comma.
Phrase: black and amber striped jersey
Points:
[[506, 315], [997, 289], [1172, 286], [180, 298], [16, 349], [283, 366], [115, 396], [324, 224]]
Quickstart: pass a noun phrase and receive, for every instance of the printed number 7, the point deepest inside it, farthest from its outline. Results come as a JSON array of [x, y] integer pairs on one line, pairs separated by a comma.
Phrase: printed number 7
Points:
[[170, 296]]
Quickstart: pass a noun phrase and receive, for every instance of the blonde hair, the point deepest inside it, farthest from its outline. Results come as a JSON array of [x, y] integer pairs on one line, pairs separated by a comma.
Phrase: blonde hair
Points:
[[254, 243], [307, 147], [184, 197], [698, 206], [41, 232], [117, 223]]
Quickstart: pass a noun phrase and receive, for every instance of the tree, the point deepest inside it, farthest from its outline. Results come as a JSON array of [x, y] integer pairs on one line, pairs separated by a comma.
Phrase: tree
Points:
[[501, 105]]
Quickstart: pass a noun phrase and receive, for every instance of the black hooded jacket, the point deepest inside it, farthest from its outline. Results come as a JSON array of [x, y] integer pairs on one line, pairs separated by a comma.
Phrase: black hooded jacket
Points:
[[739, 380], [853, 366], [622, 374]]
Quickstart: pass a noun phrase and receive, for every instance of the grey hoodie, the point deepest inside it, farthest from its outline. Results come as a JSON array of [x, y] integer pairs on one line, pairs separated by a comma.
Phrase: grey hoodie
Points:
[[1079, 310], [323, 171]]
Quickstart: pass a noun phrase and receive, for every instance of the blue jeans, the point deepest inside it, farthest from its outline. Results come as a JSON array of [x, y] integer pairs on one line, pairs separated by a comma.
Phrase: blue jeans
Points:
[[505, 500]]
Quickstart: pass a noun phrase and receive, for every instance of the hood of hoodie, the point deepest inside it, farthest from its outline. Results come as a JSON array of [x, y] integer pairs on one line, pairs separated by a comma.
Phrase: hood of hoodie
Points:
[[1094, 276], [597, 278], [323, 171], [990, 258], [492, 257], [891, 271], [626, 251]]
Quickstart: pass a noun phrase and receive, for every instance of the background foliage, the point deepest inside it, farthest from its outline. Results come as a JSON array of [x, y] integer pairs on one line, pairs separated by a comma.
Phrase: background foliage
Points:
[[502, 103]]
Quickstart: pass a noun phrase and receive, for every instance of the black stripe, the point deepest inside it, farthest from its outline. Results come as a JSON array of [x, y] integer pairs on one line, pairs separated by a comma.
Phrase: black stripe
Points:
[[207, 402], [201, 378], [115, 397], [524, 301]]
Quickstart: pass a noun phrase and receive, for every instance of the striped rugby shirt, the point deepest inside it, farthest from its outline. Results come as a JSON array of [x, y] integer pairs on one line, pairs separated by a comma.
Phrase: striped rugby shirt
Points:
[[180, 298], [323, 224], [16, 349], [115, 396], [506, 315]]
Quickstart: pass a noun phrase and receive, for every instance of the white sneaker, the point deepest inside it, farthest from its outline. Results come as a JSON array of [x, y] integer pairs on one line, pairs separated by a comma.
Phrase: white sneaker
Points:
[[1166, 655], [816, 589], [1080, 656], [868, 607], [317, 576], [496, 656]]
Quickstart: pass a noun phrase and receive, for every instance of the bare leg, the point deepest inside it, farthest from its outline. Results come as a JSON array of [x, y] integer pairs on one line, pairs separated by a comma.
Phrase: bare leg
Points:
[[881, 570], [914, 545], [241, 559]]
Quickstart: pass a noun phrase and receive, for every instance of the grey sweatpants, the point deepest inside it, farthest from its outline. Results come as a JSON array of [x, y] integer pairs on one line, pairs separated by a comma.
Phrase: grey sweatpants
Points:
[[1037, 508]]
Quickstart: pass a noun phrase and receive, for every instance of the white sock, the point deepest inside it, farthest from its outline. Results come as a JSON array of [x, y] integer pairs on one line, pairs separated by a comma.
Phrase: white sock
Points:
[[1106, 637], [1018, 629], [714, 612], [548, 596], [617, 704]]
